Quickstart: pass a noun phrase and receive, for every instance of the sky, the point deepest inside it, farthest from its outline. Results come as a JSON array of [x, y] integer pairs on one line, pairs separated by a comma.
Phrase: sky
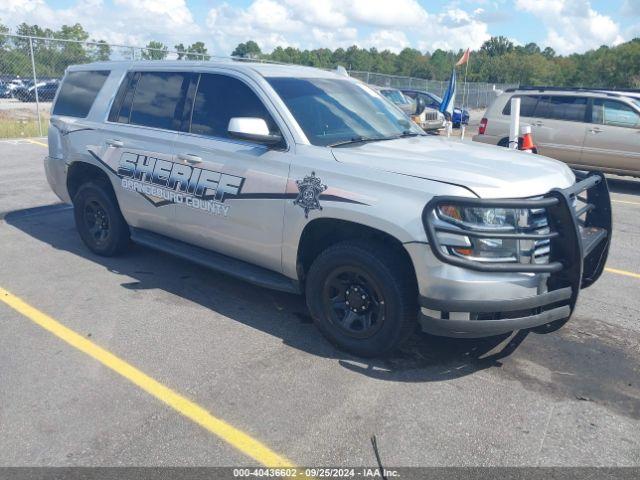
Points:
[[567, 26]]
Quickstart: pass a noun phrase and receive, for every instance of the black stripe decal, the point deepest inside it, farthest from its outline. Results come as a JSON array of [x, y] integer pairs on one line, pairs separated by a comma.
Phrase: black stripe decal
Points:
[[242, 196]]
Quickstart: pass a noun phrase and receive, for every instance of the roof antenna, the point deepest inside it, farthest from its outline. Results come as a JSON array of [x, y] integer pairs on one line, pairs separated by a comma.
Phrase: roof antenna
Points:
[[340, 70]]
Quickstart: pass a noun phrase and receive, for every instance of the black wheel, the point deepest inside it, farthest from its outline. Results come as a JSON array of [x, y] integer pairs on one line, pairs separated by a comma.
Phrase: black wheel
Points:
[[362, 298], [505, 142], [99, 221]]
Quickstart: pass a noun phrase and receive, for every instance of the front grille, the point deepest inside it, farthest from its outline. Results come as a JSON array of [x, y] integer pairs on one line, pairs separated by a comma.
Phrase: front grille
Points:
[[539, 223], [430, 116]]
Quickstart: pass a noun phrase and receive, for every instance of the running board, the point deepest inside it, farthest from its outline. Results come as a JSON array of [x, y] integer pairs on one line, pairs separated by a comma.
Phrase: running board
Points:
[[216, 261]]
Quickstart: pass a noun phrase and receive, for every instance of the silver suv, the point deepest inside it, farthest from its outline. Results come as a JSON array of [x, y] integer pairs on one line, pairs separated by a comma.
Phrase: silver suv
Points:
[[588, 129], [309, 182]]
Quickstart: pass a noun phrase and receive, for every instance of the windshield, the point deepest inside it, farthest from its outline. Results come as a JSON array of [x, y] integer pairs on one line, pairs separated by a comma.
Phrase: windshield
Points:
[[331, 111], [636, 101], [435, 97], [395, 96]]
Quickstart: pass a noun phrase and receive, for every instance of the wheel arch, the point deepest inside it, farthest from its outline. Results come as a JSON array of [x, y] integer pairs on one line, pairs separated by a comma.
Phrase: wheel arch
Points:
[[80, 172], [321, 233]]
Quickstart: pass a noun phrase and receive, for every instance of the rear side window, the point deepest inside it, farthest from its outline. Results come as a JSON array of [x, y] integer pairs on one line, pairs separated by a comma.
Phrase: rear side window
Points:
[[615, 114], [220, 98], [567, 108], [78, 91], [527, 105]]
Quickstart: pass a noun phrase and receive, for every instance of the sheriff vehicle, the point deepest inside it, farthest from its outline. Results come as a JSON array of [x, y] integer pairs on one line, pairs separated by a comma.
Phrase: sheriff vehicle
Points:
[[308, 181]]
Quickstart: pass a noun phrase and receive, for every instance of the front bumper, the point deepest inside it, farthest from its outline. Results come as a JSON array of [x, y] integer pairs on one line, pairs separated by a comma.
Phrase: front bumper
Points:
[[579, 244]]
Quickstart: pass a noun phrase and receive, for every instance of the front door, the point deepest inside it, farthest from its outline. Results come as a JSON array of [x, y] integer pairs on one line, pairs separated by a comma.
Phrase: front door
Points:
[[238, 202], [612, 140]]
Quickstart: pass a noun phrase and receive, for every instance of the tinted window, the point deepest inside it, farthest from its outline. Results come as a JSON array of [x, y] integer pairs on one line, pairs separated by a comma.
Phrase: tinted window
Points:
[[616, 114], [527, 105], [158, 97], [562, 108], [220, 98], [77, 93]]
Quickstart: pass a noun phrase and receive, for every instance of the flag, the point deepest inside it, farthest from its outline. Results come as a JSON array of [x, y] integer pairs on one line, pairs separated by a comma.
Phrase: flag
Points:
[[449, 96], [463, 59]]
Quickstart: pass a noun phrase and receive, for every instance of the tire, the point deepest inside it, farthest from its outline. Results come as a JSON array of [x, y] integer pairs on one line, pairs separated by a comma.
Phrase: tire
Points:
[[95, 202], [505, 142], [367, 276]]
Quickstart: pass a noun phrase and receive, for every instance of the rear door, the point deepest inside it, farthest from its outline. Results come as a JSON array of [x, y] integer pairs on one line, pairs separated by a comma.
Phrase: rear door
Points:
[[558, 126], [238, 208], [612, 139], [137, 145]]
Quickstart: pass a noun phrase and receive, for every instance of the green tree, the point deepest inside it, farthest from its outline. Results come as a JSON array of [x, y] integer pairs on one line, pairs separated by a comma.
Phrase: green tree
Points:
[[181, 51], [101, 51], [250, 49], [197, 51], [497, 46], [155, 51]]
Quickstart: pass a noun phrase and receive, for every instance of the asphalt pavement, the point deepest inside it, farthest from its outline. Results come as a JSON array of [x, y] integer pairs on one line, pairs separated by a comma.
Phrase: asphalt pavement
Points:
[[251, 359]]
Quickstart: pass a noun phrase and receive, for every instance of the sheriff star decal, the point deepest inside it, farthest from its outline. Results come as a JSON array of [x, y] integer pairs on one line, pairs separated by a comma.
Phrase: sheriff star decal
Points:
[[309, 190]]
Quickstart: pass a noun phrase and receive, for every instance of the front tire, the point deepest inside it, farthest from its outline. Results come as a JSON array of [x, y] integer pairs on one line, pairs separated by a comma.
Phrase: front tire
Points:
[[99, 220], [362, 298]]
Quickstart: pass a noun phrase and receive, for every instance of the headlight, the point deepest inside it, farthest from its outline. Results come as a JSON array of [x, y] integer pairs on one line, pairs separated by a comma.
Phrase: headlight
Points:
[[503, 220]]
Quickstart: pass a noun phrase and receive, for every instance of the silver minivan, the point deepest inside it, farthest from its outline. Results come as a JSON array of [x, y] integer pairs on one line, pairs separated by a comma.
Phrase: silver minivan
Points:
[[588, 129]]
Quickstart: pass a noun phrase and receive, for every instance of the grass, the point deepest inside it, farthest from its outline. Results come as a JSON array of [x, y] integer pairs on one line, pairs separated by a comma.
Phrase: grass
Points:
[[22, 128]]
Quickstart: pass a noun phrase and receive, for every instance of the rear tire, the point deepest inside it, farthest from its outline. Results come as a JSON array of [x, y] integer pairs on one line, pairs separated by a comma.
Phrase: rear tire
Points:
[[362, 298], [99, 221]]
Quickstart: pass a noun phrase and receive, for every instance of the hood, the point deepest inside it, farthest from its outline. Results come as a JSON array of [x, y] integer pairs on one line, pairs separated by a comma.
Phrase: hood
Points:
[[489, 171]]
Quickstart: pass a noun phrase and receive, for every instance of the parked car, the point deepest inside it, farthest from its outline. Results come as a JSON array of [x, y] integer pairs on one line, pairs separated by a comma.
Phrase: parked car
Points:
[[5, 90], [46, 91], [432, 100], [428, 118], [310, 182], [588, 129]]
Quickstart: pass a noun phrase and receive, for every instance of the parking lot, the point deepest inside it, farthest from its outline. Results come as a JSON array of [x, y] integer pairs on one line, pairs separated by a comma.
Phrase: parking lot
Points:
[[147, 360]]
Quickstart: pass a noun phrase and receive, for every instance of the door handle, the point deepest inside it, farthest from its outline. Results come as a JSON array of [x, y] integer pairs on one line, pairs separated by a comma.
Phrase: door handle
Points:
[[595, 130], [189, 158], [538, 123], [114, 143]]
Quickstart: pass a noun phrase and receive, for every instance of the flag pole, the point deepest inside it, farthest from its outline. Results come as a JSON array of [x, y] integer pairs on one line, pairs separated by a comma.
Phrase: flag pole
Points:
[[464, 98]]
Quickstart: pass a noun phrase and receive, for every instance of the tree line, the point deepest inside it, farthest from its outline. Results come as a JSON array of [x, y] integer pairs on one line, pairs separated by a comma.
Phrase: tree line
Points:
[[498, 60]]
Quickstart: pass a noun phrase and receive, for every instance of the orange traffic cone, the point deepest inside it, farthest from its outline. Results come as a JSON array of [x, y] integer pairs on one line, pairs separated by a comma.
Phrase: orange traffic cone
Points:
[[527, 140]]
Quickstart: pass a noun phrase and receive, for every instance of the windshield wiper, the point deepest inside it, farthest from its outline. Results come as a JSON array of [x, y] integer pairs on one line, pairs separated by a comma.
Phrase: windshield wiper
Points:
[[409, 133], [360, 139]]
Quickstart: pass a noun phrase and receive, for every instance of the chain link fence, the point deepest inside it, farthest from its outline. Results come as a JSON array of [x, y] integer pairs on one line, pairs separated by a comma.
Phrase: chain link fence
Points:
[[471, 95], [31, 69]]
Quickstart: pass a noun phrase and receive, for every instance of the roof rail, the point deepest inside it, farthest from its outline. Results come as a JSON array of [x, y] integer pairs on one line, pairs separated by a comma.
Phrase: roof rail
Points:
[[574, 89]]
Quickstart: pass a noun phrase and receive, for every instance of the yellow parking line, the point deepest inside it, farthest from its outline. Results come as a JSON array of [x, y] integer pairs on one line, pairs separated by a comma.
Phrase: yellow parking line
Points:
[[36, 142], [238, 439], [625, 201], [622, 272]]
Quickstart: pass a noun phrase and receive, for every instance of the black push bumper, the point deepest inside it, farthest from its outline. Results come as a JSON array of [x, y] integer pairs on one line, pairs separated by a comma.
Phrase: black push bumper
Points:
[[579, 237]]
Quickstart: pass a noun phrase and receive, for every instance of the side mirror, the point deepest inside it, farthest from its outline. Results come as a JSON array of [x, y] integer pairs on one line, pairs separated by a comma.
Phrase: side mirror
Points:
[[253, 130], [420, 105]]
